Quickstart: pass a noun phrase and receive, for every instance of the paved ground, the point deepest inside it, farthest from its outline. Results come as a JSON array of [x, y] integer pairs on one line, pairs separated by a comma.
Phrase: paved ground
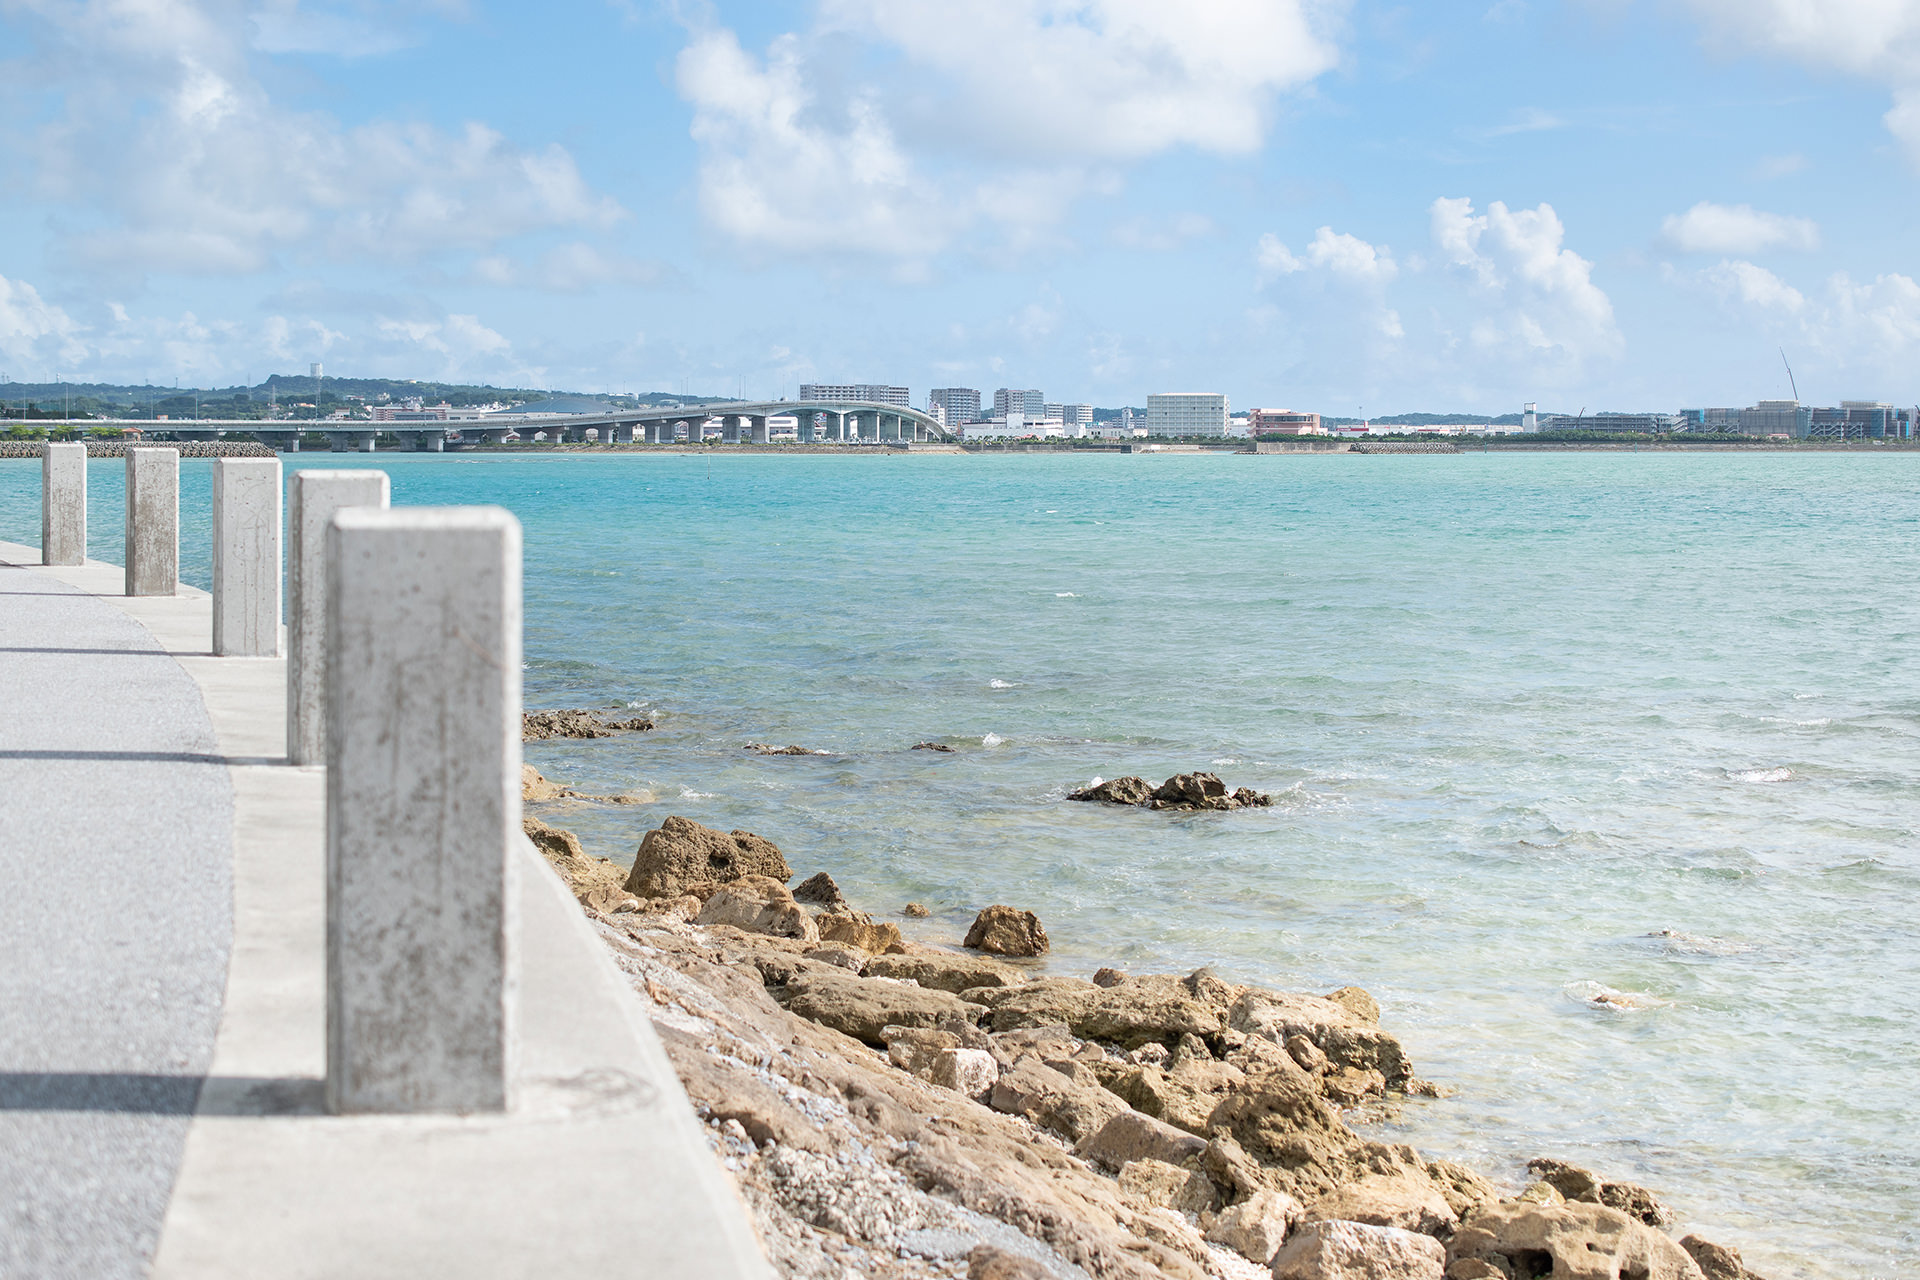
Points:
[[116, 818]]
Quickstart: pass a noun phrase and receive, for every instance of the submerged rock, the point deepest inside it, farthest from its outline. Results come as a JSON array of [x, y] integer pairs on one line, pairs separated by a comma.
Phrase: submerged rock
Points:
[[682, 857], [537, 726], [1008, 931], [915, 911], [1716, 1262], [1183, 791], [933, 746], [764, 749]]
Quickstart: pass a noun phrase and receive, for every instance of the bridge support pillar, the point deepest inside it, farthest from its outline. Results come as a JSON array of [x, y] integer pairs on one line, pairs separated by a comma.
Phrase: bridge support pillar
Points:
[[423, 808], [730, 428], [290, 442], [63, 504], [762, 434], [312, 499], [887, 426], [363, 441], [153, 521], [246, 557]]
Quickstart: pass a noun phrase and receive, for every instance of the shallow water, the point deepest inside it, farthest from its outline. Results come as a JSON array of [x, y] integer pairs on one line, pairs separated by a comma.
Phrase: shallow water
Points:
[[1540, 729]]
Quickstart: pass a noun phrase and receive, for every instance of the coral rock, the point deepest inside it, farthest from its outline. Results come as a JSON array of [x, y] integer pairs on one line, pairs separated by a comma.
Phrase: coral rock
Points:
[[681, 856], [1355, 1251], [1007, 931]]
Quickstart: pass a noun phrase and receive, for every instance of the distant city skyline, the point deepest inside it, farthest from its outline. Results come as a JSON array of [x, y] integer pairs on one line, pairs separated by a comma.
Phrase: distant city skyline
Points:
[[1349, 209]]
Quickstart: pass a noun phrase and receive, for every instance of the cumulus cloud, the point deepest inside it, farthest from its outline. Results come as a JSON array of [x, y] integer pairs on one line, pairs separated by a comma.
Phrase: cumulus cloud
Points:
[[1340, 254], [1737, 228], [1547, 306], [1754, 286], [896, 127], [168, 142], [1867, 328], [1161, 234], [575, 267], [33, 331], [1876, 40]]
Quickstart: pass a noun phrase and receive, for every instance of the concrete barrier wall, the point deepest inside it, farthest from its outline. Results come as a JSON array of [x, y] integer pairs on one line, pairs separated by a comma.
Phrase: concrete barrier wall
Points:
[[63, 504], [153, 521], [423, 807], [246, 557], [313, 497]]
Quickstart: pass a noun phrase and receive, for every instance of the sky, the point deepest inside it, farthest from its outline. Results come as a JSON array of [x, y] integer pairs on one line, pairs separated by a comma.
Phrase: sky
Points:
[[1348, 207]]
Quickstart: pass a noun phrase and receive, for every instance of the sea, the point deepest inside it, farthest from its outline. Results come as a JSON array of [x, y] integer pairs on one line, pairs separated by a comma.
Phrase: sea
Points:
[[1601, 771]]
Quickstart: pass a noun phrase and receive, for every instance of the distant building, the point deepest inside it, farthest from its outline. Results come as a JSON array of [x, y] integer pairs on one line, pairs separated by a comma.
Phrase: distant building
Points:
[[1015, 426], [954, 405], [1187, 413], [411, 412], [1647, 424], [872, 392], [1070, 413], [1284, 422], [1029, 403], [1776, 418]]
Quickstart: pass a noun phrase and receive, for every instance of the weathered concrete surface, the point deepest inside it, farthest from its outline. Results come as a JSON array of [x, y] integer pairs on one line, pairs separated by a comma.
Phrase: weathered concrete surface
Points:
[[600, 1171], [115, 792], [63, 504], [423, 806], [312, 499], [153, 521], [246, 557]]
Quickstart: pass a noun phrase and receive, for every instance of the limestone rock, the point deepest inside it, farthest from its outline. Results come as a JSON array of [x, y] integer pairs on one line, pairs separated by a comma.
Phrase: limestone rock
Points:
[[1257, 1226], [1308, 1055], [1576, 1241], [1463, 1189], [1007, 931], [767, 749], [820, 891], [1131, 1014], [1163, 1095], [1132, 1136], [1541, 1193], [862, 1007], [680, 856], [858, 930], [1167, 1185], [1474, 1269], [1408, 1200], [988, 1263], [915, 911], [1231, 1168], [1358, 1003], [1127, 790], [1108, 977], [913, 1049], [969, 1071], [1300, 1142], [1053, 1100], [596, 882], [536, 726], [1355, 1251], [1248, 798], [852, 959], [759, 904], [534, 788], [1716, 1262], [1580, 1184], [948, 971], [941, 747], [1345, 1039]]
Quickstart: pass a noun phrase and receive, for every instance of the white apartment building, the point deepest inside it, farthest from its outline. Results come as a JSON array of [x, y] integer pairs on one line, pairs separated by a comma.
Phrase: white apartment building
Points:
[[1071, 413], [871, 392], [1187, 413], [1015, 426], [954, 405], [1017, 400]]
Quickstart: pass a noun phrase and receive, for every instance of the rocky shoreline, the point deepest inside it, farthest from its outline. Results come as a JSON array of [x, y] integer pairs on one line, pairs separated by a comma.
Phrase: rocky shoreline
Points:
[[892, 1108]]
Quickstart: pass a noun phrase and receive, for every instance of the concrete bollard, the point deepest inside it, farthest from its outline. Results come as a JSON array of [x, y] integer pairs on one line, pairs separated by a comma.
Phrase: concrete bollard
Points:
[[153, 521], [246, 557], [63, 504], [312, 499], [423, 807]]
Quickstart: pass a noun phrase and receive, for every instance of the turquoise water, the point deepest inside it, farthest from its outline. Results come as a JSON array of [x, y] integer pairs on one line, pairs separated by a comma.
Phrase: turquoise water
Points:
[[1520, 714]]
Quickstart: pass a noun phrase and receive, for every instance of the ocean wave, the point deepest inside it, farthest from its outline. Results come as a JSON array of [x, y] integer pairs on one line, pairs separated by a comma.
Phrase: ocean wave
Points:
[[1001, 684], [1675, 942], [991, 740], [1065, 595], [1224, 760], [1597, 995], [688, 793], [1779, 774]]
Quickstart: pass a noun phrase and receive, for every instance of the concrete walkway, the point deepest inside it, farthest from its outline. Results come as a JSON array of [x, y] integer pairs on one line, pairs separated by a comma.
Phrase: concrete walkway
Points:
[[114, 926], [143, 787]]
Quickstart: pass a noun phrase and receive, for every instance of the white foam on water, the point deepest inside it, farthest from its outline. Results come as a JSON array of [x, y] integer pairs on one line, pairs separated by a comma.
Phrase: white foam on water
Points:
[[1001, 684], [1065, 595], [688, 793], [1598, 995], [1223, 760], [1781, 774], [1693, 944], [992, 740]]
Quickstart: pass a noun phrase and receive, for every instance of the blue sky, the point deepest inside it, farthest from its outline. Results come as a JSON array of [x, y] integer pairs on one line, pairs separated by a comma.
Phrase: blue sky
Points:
[[1335, 206]]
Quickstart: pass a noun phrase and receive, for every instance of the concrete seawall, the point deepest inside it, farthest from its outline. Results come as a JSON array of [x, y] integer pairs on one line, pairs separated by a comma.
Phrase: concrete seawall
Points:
[[598, 1168]]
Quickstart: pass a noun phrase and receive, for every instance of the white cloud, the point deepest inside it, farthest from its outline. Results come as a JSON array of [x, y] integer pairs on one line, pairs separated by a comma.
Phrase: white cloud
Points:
[[1876, 40], [1754, 286], [575, 267], [1546, 306], [1737, 228], [1780, 166], [34, 331], [1530, 120], [1338, 253], [171, 151], [896, 127], [1162, 234]]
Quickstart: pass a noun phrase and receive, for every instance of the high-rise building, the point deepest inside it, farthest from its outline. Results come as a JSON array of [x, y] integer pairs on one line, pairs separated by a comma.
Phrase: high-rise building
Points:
[[954, 405], [1016, 400], [1070, 413], [1187, 413], [870, 392]]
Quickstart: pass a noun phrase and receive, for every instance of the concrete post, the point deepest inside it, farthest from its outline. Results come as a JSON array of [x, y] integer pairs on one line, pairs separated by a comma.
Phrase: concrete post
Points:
[[153, 521], [246, 557], [312, 499], [63, 504], [423, 807], [762, 434], [364, 441]]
